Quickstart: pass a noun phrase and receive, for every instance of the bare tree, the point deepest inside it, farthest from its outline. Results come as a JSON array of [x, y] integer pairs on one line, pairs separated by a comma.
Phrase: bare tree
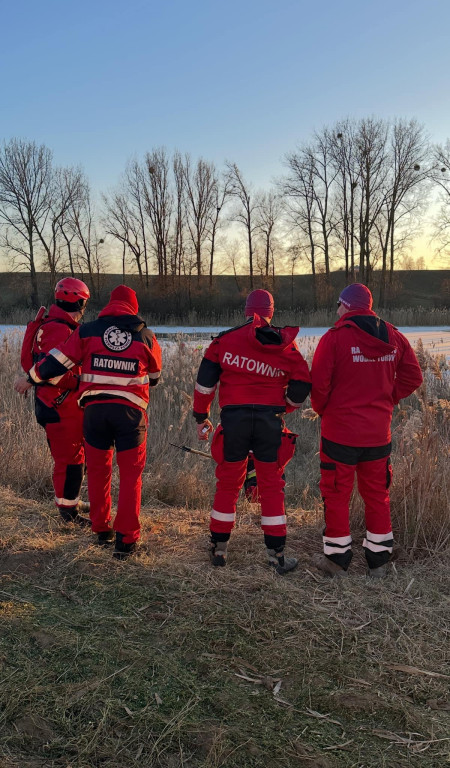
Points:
[[81, 224], [298, 190], [245, 212], [200, 185], [268, 213], [159, 203], [343, 151], [25, 190], [440, 175]]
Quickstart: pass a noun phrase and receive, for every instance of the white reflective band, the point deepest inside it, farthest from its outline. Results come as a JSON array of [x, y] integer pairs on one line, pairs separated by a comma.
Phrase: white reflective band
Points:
[[225, 518], [96, 378], [67, 502], [155, 375], [205, 390], [376, 547], [377, 538], [121, 393], [330, 550], [61, 358], [33, 375], [273, 520], [291, 402], [342, 540]]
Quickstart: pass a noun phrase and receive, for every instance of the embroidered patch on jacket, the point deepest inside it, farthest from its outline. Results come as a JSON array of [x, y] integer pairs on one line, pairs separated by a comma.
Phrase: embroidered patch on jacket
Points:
[[116, 339]]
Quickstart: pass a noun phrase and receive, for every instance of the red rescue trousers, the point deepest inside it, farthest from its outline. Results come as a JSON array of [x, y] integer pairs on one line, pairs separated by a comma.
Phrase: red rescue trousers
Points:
[[262, 432], [109, 425], [336, 485], [65, 440]]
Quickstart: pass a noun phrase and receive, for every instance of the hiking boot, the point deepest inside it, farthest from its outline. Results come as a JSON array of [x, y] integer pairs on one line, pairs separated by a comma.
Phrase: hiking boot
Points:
[[218, 553], [72, 516], [328, 567], [105, 538], [280, 562], [122, 551], [378, 573]]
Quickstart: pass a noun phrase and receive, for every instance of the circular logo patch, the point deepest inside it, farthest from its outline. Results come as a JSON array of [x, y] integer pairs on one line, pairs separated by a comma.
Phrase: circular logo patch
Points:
[[116, 339]]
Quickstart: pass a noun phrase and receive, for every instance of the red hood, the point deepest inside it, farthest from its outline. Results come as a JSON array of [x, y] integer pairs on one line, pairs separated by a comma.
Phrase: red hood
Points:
[[286, 335], [115, 308], [56, 313], [369, 345]]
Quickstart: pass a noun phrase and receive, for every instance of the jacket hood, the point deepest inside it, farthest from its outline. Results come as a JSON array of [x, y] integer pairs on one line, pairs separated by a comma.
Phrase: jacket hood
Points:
[[56, 313], [127, 322], [271, 338], [372, 333]]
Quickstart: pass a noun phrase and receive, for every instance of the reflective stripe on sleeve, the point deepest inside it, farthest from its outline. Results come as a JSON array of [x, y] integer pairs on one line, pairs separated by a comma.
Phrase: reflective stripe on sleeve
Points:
[[62, 358], [155, 375], [204, 390]]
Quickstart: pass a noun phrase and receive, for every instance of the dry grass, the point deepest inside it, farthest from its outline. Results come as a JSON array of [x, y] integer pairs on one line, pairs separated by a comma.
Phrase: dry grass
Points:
[[166, 662]]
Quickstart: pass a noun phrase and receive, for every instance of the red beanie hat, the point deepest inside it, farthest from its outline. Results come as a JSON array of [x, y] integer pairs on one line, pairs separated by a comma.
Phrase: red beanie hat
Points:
[[124, 295], [356, 296], [260, 303]]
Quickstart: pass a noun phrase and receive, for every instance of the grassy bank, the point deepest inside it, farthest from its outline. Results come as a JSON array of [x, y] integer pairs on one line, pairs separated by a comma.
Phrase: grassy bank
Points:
[[166, 662]]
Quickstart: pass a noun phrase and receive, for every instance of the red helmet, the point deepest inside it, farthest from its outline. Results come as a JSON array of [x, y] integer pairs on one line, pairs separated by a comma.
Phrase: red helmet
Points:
[[71, 289]]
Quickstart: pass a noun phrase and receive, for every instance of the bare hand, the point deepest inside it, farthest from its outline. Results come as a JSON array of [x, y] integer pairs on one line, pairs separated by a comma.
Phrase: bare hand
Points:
[[204, 429], [22, 385]]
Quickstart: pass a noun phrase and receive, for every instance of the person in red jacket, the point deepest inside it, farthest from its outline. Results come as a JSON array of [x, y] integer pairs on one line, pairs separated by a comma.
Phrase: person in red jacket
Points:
[[362, 367], [56, 407], [119, 358], [261, 375]]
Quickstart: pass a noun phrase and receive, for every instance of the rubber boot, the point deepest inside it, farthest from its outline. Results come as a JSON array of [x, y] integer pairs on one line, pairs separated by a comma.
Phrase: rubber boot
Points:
[[218, 553], [378, 573], [328, 567], [281, 563]]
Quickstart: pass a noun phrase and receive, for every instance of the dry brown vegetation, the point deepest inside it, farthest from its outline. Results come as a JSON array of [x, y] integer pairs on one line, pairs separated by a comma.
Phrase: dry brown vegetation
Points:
[[163, 661]]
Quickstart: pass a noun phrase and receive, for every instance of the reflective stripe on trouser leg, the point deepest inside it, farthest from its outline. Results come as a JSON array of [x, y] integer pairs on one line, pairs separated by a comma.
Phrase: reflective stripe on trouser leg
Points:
[[99, 466], [230, 479], [336, 485], [271, 495], [65, 440], [131, 464], [374, 479], [373, 484]]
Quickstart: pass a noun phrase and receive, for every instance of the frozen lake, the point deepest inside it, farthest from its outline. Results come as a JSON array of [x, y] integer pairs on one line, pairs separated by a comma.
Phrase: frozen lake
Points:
[[435, 339]]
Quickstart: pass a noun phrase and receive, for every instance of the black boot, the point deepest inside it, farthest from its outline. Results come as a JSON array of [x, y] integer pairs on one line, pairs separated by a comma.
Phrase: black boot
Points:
[[123, 551], [70, 515], [218, 553], [105, 538]]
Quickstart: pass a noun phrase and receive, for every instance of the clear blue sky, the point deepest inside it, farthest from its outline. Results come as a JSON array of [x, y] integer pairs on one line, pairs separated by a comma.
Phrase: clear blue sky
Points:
[[104, 80]]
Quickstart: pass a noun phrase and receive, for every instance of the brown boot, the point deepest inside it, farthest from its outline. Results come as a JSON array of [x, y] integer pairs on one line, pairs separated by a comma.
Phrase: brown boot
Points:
[[327, 567]]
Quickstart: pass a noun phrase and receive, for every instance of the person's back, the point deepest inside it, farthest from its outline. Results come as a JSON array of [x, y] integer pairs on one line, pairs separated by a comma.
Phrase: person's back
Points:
[[361, 368]]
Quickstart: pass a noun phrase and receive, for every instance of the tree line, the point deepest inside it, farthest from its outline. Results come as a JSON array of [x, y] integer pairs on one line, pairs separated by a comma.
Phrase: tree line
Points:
[[354, 198]]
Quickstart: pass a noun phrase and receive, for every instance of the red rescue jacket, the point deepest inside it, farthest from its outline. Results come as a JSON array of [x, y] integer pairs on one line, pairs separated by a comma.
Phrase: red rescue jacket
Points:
[[256, 364], [119, 357], [55, 329], [361, 368]]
